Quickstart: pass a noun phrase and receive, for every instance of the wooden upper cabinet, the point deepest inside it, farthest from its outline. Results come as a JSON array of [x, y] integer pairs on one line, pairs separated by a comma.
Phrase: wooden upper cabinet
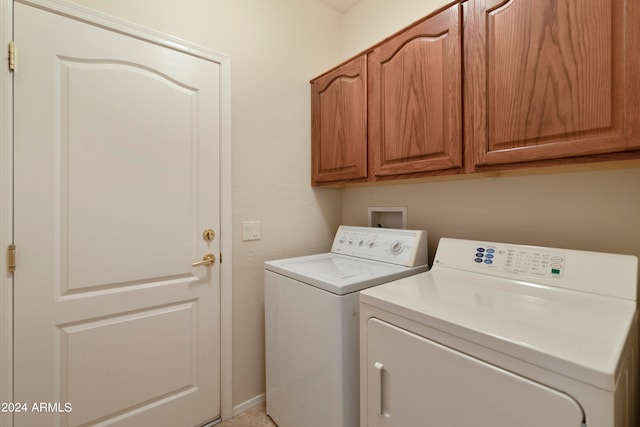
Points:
[[415, 98], [545, 82], [550, 79], [339, 124]]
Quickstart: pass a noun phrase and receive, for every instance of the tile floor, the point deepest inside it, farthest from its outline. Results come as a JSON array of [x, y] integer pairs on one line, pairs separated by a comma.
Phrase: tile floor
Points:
[[254, 417]]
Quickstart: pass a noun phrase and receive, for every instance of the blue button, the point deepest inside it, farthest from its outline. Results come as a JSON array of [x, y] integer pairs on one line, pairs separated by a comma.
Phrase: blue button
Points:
[[480, 249], [488, 255], [478, 260], [479, 254], [490, 251], [488, 261]]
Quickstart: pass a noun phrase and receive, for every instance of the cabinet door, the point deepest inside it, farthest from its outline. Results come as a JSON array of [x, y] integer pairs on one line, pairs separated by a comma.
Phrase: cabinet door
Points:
[[416, 99], [413, 381], [339, 124], [551, 79]]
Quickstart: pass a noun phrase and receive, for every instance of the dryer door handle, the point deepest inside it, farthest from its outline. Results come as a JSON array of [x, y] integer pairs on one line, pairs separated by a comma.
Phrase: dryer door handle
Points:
[[377, 391]]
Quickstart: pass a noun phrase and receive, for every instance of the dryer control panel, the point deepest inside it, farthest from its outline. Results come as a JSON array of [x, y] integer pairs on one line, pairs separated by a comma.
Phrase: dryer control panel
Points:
[[529, 261], [595, 272], [396, 246]]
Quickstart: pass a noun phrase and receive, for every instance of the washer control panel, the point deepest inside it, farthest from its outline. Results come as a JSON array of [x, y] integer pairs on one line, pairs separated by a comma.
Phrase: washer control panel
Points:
[[396, 246], [519, 260]]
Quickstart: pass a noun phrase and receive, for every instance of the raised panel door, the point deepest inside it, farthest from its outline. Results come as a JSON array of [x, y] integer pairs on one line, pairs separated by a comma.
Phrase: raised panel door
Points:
[[339, 124], [116, 176], [415, 103], [551, 79]]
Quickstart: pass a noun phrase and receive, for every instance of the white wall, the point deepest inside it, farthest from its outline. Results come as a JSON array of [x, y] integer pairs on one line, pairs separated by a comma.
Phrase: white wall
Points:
[[276, 47], [598, 210], [371, 21]]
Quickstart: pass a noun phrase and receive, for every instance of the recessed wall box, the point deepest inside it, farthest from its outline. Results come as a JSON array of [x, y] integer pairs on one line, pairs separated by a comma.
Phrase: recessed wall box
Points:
[[385, 217]]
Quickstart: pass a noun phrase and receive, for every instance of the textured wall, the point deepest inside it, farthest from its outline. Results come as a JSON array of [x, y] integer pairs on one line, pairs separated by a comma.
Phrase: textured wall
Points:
[[598, 210], [371, 21]]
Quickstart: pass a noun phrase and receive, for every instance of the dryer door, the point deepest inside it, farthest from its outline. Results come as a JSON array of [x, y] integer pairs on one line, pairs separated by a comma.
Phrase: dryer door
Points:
[[413, 381]]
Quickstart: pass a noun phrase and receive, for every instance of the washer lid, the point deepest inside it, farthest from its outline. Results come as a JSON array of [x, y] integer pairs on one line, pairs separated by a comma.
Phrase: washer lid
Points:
[[339, 274], [575, 334]]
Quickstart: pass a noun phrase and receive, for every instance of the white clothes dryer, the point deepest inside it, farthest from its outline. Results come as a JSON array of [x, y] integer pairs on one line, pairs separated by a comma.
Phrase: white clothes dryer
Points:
[[311, 317], [501, 335]]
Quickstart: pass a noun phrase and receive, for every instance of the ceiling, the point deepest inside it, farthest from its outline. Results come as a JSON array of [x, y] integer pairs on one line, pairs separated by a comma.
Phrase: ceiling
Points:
[[340, 5]]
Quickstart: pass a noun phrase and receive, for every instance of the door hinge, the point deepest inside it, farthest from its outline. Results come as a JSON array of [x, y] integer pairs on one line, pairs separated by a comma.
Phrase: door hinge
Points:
[[11, 257], [220, 257], [12, 56]]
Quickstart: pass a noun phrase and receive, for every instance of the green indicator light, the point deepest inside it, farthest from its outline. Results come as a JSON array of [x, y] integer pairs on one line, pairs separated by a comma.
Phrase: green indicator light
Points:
[[555, 271]]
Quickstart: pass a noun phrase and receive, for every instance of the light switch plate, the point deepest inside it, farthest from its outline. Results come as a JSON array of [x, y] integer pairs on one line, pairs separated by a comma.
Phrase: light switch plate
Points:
[[250, 230]]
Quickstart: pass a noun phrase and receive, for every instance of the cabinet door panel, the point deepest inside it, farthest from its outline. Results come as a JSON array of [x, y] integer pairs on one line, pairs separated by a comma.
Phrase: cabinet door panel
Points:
[[415, 98], [339, 117], [548, 79]]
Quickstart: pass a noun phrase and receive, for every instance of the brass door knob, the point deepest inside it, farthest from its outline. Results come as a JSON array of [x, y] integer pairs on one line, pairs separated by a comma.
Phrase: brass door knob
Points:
[[206, 260]]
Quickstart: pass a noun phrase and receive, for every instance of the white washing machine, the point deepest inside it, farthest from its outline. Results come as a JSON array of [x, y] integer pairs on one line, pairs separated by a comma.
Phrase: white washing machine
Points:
[[311, 316], [501, 335]]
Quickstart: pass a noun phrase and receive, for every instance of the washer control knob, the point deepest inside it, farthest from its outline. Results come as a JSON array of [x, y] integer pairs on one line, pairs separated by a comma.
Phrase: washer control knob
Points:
[[396, 247]]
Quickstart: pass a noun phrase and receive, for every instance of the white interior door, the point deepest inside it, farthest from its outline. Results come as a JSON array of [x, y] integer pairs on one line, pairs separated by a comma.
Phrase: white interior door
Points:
[[116, 178]]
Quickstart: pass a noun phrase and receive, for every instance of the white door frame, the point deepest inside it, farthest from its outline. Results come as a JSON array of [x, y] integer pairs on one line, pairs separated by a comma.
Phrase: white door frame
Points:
[[6, 183]]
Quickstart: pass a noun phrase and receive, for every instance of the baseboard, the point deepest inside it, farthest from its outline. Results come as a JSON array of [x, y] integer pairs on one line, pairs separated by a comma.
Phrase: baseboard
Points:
[[244, 406]]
